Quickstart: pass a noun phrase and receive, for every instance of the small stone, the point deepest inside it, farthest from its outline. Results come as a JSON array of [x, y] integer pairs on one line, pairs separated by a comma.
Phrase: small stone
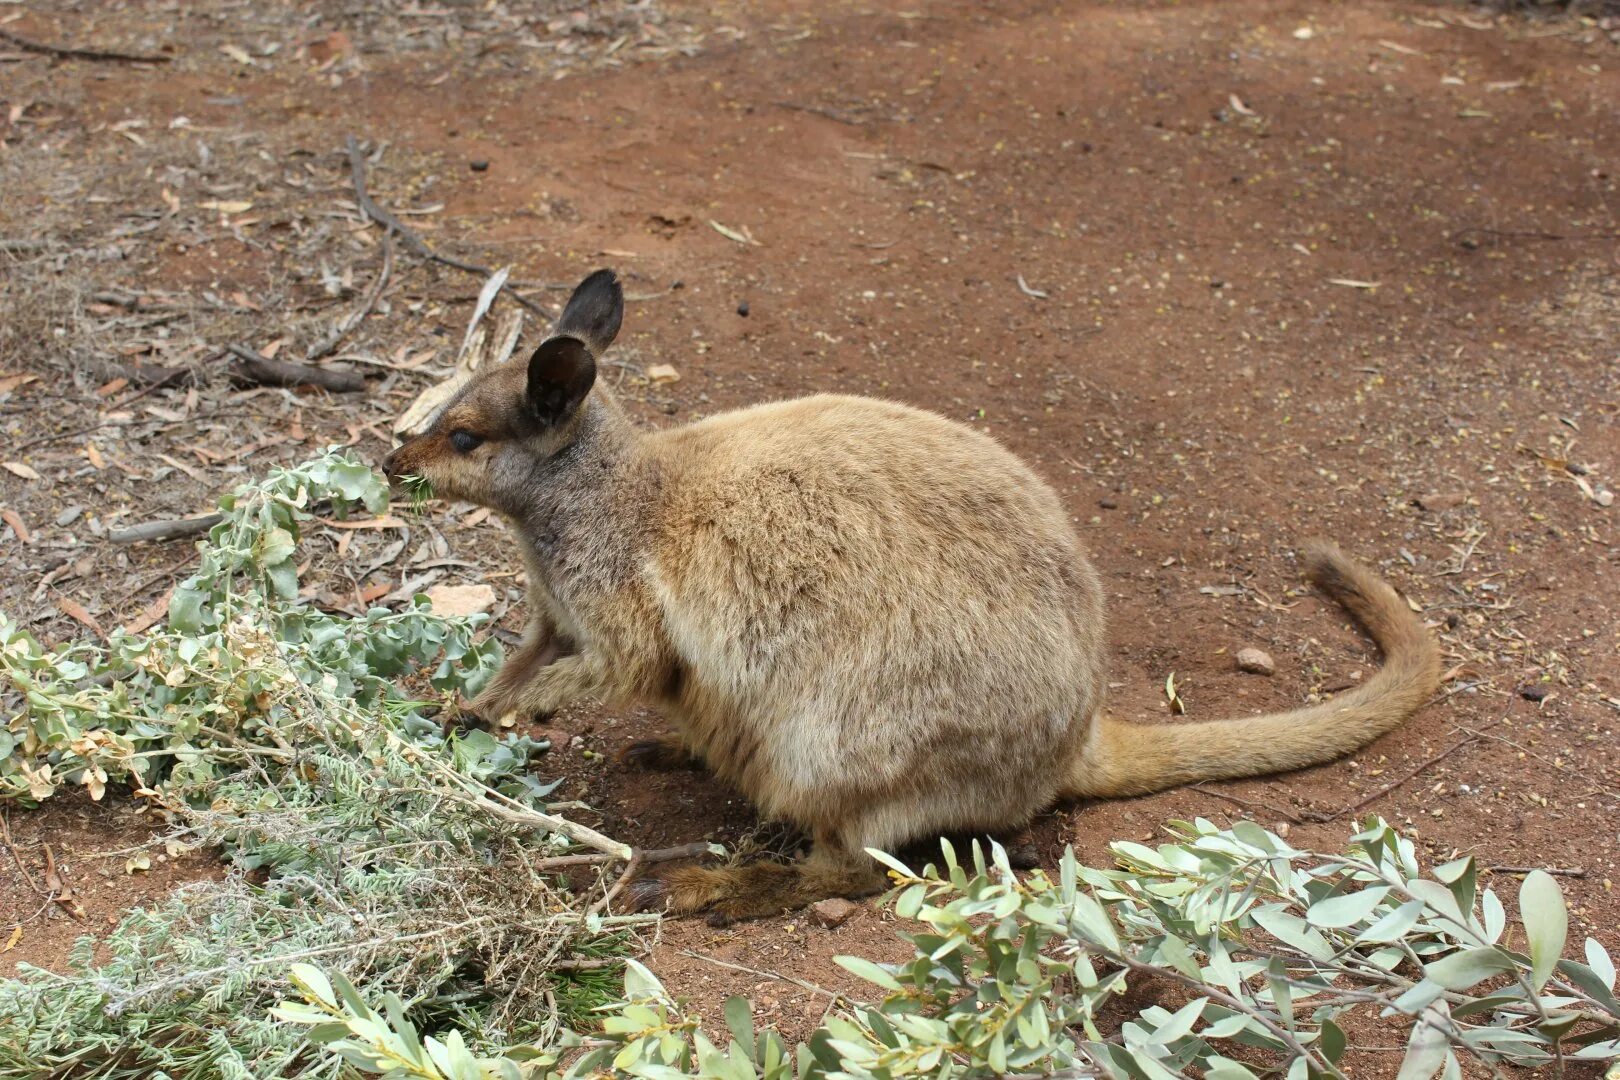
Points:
[[1108, 504], [834, 912], [478, 165], [1535, 692], [663, 373], [1283, 829], [1256, 662], [742, 309]]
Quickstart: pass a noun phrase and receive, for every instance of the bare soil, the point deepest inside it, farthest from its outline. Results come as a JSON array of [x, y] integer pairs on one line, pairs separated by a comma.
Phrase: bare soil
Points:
[[1228, 275]]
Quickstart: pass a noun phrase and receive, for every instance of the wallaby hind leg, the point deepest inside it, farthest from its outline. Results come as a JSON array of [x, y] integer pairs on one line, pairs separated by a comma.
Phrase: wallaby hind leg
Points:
[[665, 753], [733, 893]]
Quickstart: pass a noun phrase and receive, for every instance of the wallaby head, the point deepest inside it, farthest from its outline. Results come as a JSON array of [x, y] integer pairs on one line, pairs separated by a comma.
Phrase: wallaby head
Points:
[[498, 433]]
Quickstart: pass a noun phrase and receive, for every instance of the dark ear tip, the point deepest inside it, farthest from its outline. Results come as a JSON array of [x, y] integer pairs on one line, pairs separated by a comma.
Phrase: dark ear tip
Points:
[[605, 276]]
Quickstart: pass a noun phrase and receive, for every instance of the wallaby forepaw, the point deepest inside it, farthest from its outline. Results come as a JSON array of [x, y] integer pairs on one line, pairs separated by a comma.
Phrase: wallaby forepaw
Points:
[[646, 894]]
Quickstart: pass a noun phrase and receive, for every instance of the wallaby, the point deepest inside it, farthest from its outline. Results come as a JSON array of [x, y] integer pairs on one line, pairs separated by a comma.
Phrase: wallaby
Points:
[[875, 622]]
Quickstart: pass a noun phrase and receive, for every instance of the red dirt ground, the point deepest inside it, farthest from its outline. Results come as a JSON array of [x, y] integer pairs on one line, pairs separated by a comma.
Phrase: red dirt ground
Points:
[[1306, 269]]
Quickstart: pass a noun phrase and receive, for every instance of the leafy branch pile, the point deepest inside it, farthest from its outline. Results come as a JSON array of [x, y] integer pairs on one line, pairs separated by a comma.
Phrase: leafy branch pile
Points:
[[361, 834], [1262, 953]]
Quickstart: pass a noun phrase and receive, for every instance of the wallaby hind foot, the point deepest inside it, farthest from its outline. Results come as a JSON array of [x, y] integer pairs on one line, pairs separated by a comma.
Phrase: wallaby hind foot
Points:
[[665, 753], [735, 893]]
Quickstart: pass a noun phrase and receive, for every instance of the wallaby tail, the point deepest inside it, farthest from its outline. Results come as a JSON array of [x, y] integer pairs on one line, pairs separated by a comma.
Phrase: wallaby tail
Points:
[[1121, 758]]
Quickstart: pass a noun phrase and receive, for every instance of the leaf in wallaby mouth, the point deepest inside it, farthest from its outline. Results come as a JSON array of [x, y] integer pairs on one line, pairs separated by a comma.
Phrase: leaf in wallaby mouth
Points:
[[418, 490]]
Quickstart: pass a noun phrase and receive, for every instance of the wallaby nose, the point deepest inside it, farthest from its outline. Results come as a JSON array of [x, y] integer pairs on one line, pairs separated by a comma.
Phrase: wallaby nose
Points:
[[388, 462]]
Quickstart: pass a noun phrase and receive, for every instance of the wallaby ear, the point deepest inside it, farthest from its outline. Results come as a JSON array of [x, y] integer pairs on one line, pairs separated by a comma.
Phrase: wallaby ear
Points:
[[594, 312], [561, 372]]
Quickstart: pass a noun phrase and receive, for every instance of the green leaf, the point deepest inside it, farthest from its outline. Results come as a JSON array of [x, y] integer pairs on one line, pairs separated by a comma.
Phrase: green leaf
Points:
[[1546, 923], [1180, 1024], [1393, 926], [1333, 1041], [185, 610], [865, 969], [1597, 958], [276, 546], [312, 981], [1466, 968], [740, 1020], [1346, 909], [1292, 930], [640, 983], [1425, 1049]]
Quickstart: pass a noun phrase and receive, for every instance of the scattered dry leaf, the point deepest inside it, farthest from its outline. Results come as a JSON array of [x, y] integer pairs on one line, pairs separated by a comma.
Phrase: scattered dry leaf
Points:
[[17, 468], [729, 233], [12, 518], [663, 373]]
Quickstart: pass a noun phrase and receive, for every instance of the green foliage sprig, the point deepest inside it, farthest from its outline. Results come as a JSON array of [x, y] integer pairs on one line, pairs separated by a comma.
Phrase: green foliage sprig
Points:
[[152, 708], [359, 833], [1263, 949]]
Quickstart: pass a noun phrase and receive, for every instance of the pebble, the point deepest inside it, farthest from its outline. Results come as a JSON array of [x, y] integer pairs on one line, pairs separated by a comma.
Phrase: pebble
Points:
[[1256, 662], [742, 309], [1108, 504], [834, 912], [1535, 692], [479, 165]]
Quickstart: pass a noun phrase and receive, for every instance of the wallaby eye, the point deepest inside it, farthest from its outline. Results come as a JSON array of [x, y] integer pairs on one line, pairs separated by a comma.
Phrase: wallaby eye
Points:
[[465, 442]]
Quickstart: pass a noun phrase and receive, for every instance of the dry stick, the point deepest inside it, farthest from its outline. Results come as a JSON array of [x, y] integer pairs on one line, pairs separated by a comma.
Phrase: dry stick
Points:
[[1331, 815], [330, 342], [632, 867], [368, 206], [257, 370], [817, 110], [1284, 814], [1559, 871], [803, 984], [65, 53], [5, 835], [649, 855], [165, 530]]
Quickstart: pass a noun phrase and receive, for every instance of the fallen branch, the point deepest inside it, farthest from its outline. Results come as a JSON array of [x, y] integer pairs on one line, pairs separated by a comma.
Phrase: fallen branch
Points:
[[165, 530], [652, 855], [1320, 817], [385, 218], [1557, 871], [65, 53], [344, 328], [258, 370]]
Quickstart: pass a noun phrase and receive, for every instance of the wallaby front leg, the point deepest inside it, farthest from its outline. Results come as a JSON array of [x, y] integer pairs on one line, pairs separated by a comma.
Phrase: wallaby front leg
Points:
[[566, 680], [541, 647]]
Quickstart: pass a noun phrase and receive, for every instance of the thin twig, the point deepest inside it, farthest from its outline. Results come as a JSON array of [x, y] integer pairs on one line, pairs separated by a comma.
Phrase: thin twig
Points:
[[165, 530], [1556, 871], [632, 867], [385, 218], [1322, 818], [810, 986], [652, 855], [344, 328], [1284, 814], [66, 53], [5, 836]]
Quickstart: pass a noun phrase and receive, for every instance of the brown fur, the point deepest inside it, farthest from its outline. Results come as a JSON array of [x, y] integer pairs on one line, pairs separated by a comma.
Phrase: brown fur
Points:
[[875, 622]]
